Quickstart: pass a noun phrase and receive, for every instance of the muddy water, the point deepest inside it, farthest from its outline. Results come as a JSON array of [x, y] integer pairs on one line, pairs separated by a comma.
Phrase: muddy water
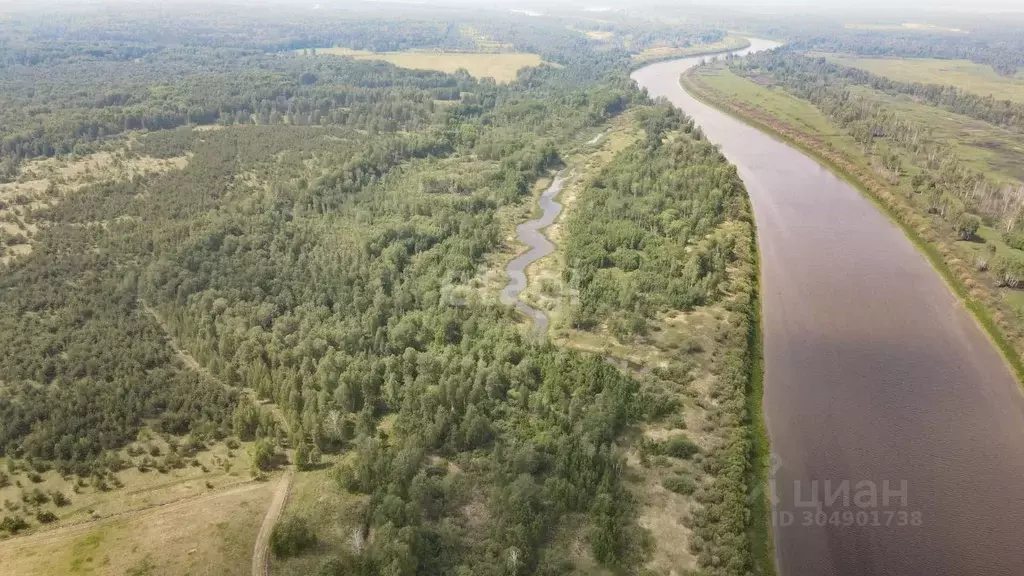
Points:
[[877, 381], [530, 234]]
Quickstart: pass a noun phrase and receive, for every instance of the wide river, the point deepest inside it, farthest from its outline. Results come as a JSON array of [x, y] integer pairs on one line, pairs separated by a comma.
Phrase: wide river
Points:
[[877, 380]]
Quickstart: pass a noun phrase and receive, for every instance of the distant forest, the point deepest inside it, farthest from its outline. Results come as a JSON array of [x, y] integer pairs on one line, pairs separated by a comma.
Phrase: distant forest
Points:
[[308, 255]]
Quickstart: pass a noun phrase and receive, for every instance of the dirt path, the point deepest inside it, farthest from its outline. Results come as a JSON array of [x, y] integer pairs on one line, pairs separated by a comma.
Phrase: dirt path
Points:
[[182, 354], [190, 361], [261, 552]]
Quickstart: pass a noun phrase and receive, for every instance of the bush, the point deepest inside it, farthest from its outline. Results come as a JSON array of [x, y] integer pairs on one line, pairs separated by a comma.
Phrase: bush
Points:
[[679, 447], [46, 517], [59, 498], [13, 524], [1008, 270], [291, 537], [967, 225], [679, 485]]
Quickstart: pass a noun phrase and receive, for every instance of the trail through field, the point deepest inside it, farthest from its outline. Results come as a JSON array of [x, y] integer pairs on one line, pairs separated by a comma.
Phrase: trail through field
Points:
[[261, 552]]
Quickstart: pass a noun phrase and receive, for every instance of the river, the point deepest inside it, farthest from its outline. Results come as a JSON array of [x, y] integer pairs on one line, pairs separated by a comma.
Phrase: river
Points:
[[529, 233], [877, 380]]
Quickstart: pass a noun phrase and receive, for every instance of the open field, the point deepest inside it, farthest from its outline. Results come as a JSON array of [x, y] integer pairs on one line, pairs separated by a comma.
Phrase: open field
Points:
[[502, 67], [964, 74], [334, 514], [212, 534], [985, 147], [142, 484], [665, 52]]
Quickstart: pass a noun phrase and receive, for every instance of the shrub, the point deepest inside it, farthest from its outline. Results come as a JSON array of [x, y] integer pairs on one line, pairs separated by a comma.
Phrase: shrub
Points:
[[967, 225], [291, 537], [59, 498], [679, 485], [1008, 270], [13, 524], [679, 447], [46, 517]]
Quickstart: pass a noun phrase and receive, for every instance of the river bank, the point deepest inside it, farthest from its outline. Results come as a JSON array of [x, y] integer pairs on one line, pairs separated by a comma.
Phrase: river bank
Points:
[[873, 370]]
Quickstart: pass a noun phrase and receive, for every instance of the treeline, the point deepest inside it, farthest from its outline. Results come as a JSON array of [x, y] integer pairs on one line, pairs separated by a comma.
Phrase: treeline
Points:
[[981, 107], [1001, 48], [948, 187], [263, 90]]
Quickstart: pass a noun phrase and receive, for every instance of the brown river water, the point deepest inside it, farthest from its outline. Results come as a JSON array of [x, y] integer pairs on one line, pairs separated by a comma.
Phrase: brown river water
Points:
[[897, 429]]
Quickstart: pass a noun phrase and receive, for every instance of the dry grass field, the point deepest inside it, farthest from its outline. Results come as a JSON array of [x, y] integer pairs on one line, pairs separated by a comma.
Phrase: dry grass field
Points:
[[664, 52], [211, 534], [964, 74], [500, 66]]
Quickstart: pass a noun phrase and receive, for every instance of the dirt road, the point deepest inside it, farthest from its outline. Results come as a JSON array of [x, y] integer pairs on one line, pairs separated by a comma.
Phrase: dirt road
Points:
[[261, 552]]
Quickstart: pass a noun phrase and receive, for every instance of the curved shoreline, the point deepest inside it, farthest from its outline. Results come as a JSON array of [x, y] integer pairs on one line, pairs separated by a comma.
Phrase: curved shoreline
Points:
[[529, 233], [875, 375]]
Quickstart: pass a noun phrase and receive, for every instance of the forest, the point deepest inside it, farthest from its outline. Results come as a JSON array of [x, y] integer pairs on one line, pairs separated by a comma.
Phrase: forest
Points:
[[305, 247]]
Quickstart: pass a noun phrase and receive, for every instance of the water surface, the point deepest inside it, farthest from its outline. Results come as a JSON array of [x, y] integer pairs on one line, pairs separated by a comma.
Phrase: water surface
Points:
[[876, 379], [530, 234]]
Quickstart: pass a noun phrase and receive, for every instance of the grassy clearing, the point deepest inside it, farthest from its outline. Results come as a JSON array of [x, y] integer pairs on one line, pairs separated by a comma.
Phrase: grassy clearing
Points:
[[665, 52], [996, 309], [964, 74], [984, 147], [209, 535], [502, 67], [334, 515], [141, 486]]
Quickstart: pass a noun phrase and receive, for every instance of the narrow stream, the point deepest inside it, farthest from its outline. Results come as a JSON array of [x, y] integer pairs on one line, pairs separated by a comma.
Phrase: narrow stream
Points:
[[530, 234]]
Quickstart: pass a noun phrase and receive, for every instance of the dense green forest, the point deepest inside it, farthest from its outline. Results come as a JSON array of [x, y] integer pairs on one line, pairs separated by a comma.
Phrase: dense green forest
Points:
[[311, 249]]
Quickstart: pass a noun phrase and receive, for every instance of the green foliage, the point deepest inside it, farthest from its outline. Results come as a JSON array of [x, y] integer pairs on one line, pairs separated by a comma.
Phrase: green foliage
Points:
[[291, 537], [46, 517], [1008, 269], [967, 225], [646, 236], [680, 485], [13, 524], [263, 454], [314, 251], [679, 446]]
